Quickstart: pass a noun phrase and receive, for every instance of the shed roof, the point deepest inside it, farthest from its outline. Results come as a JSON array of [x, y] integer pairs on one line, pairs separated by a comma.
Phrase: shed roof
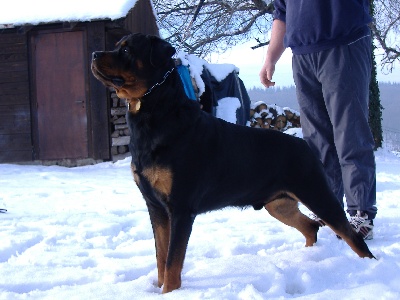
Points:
[[20, 12]]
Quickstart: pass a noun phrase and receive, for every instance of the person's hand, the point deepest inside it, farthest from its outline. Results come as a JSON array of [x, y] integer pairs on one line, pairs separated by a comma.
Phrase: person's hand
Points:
[[266, 73]]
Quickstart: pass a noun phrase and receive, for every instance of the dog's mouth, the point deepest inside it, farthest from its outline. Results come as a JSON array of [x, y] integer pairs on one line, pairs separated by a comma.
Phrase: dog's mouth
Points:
[[116, 81]]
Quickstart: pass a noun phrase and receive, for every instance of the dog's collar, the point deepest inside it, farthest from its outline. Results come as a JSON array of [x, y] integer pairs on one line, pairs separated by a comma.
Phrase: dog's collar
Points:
[[159, 83], [138, 104]]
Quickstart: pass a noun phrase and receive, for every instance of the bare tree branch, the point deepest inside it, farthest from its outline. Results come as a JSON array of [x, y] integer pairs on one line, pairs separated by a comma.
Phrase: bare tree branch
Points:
[[222, 24], [219, 25], [386, 31]]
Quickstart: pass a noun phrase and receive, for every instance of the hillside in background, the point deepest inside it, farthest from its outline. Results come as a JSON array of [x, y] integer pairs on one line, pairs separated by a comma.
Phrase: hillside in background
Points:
[[390, 100]]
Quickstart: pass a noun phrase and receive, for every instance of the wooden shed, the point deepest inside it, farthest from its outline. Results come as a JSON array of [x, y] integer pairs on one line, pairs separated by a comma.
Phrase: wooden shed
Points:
[[51, 106]]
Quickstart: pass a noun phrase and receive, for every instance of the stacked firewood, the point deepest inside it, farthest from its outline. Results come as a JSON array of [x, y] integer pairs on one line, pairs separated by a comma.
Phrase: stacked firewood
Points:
[[271, 116], [119, 130]]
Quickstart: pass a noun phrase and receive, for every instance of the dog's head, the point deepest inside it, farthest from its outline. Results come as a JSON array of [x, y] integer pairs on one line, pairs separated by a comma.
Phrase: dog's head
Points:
[[137, 63]]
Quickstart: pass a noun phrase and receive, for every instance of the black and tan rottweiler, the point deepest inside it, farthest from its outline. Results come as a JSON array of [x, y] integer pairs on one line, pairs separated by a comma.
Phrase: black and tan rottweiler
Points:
[[187, 162]]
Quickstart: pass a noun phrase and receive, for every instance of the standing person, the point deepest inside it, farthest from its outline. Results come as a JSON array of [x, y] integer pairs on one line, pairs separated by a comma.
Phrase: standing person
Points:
[[331, 45]]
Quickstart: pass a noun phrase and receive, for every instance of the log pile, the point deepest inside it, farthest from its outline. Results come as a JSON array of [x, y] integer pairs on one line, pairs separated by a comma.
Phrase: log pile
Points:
[[119, 128], [271, 116]]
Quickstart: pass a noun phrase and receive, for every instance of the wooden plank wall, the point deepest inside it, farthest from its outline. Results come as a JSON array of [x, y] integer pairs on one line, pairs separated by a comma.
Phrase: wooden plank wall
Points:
[[141, 19], [15, 115], [98, 102]]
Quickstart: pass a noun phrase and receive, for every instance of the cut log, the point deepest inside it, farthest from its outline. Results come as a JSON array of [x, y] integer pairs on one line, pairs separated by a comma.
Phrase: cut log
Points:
[[118, 111], [259, 121], [114, 150], [122, 102], [120, 141], [121, 120], [122, 149], [121, 126], [289, 114], [295, 121], [115, 134], [267, 123], [280, 122], [261, 107]]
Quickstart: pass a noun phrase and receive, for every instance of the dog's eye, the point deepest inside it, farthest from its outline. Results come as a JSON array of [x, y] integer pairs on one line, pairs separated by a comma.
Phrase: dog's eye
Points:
[[125, 50]]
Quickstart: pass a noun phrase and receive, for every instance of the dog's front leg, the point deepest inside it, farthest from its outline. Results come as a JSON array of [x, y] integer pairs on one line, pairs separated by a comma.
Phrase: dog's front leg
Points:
[[161, 229], [181, 228]]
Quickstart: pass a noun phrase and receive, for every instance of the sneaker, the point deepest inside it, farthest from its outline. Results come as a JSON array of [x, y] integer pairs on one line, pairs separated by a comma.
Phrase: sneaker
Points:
[[362, 225], [317, 219]]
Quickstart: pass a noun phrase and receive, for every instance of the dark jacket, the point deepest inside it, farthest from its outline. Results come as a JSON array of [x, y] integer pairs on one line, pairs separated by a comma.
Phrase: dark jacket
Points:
[[316, 25]]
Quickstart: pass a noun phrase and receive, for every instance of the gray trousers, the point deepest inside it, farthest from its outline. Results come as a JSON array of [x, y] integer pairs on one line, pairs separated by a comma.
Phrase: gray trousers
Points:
[[332, 88]]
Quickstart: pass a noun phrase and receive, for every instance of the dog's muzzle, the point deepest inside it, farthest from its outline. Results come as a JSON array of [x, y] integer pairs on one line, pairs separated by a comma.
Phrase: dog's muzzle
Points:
[[117, 81]]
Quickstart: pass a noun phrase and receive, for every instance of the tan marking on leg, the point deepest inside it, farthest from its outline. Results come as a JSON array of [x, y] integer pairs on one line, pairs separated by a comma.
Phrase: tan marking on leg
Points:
[[160, 178], [173, 279], [287, 211], [161, 236]]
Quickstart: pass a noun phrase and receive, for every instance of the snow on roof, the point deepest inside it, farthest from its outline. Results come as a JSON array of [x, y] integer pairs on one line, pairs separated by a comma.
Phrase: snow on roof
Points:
[[196, 65], [13, 13]]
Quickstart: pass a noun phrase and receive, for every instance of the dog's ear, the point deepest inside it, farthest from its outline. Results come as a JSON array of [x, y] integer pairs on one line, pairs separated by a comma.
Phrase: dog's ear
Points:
[[160, 51], [122, 41]]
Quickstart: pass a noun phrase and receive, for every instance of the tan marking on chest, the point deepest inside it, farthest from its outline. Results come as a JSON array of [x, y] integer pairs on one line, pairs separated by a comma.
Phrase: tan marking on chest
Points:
[[160, 178], [135, 175], [133, 105]]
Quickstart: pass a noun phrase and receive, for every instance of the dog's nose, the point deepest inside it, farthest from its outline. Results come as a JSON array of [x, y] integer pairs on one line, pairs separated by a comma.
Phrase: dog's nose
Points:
[[96, 54]]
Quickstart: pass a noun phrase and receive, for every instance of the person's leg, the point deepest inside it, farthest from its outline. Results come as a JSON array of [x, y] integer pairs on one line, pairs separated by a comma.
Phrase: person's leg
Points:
[[316, 126], [345, 75]]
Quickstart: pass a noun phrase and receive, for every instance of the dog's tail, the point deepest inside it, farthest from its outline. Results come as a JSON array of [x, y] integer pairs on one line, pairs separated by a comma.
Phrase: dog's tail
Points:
[[336, 219], [320, 199]]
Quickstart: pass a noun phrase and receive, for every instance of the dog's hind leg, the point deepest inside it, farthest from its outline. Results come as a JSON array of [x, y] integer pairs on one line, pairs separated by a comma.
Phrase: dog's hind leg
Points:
[[287, 211], [181, 228]]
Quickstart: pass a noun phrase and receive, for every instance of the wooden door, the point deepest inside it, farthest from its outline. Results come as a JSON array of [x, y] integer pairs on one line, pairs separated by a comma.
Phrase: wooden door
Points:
[[60, 85]]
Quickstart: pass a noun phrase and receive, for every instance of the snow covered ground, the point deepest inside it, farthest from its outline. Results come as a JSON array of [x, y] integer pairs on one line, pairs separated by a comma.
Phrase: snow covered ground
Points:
[[84, 233]]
